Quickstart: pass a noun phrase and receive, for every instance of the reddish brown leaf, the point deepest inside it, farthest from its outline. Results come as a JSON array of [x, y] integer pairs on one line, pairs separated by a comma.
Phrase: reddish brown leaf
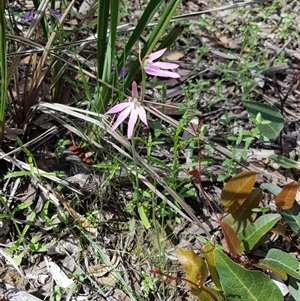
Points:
[[195, 173], [195, 268], [286, 197], [281, 230], [238, 225], [236, 190], [233, 244], [78, 151], [245, 210]]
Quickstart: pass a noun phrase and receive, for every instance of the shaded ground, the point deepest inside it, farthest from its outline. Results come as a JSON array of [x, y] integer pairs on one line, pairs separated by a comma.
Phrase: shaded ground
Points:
[[225, 57]]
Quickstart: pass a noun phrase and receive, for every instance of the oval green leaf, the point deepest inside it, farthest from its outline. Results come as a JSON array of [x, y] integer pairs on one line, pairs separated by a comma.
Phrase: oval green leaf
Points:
[[282, 261], [272, 188], [292, 217], [252, 234], [294, 289], [241, 284], [268, 113], [236, 225], [278, 272]]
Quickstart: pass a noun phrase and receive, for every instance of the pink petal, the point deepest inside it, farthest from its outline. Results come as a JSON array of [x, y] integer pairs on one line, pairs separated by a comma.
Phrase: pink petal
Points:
[[164, 65], [155, 55], [161, 73], [29, 16], [119, 107], [142, 115], [121, 117], [170, 74], [55, 14], [153, 71], [134, 90], [132, 122]]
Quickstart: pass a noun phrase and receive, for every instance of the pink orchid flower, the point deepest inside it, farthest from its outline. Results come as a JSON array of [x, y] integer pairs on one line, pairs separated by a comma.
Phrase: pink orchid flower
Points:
[[155, 68], [55, 14], [131, 107], [30, 15]]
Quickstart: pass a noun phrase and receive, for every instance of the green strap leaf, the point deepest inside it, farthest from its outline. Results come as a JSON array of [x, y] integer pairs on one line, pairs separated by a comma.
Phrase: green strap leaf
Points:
[[151, 9], [106, 92], [155, 35], [3, 69], [284, 161], [172, 36], [102, 22]]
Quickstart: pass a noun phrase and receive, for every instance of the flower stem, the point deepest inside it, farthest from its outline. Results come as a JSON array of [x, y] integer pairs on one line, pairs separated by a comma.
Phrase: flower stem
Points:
[[141, 209], [143, 77]]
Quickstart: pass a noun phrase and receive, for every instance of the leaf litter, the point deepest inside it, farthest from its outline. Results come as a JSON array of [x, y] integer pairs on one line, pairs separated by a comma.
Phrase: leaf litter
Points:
[[222, 41]]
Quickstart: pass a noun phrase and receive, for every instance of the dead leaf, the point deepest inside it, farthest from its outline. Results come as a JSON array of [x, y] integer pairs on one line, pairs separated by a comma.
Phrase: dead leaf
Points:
[[229, 44], [12, 133], [174, 55]]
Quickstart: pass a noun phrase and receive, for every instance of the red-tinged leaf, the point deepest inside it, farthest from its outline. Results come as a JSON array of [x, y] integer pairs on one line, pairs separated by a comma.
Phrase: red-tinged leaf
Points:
[[266, 267], [208, 252], [286, 197], [236, 190], [280, 229], [207, 293], [195, 173], [195, 269], [233, 244], [252, 201], [280, 260]]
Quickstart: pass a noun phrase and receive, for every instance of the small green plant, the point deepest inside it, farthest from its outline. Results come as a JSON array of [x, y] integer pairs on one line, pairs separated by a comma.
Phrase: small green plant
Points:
[[148, 284], [56, 294], [267, 123], [263, 210], [61, 146], [36, 246], [286, 24]]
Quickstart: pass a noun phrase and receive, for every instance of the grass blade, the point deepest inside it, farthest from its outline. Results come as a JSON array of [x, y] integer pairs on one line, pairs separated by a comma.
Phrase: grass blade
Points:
[[110, 54], [3, 71], [155, 35]]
